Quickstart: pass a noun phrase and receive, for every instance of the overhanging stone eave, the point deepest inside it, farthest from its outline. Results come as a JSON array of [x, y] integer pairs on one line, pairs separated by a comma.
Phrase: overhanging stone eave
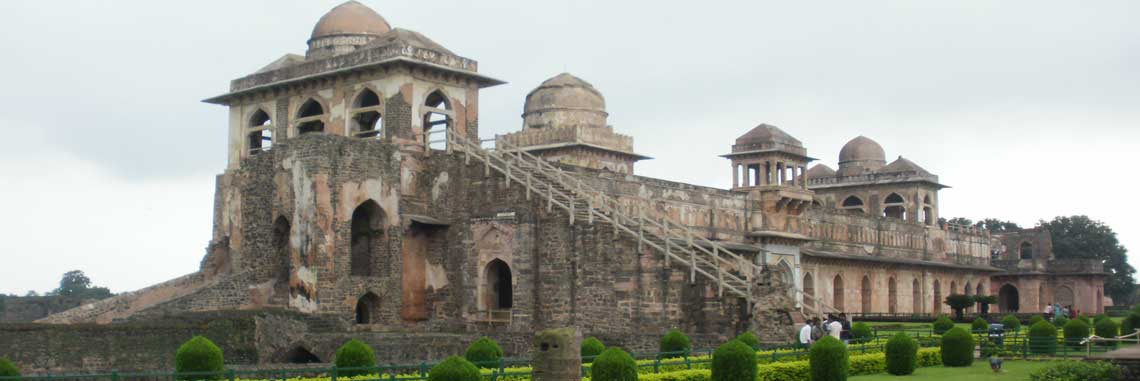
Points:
[[554, 146], [753, 152], [865, 183], [483, 80]]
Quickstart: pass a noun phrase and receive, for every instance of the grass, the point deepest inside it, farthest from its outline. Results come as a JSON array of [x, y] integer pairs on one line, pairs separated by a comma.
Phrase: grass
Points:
[[980, 371]]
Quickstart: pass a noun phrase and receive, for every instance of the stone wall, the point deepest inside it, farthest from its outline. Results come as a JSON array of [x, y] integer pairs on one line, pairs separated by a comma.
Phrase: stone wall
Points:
[[30, 308]]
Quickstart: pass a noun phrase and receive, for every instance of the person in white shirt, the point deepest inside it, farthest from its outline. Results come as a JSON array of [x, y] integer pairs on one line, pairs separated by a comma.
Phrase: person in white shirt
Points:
[[834, 328], [805, 333]]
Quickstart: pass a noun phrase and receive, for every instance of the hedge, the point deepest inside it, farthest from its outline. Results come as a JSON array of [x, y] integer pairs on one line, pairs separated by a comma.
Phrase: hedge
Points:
[[979, 324], [799, 370], [1078, 370], [942, 324], [829, 360], [1012, 323], [675, 341], [957, 348], [455, 368], [591, 348], [355, 354], [1076, 330], [1034, 319], [8, 369], [734, 361], [901, 355], [1108, 329], [861, 333], [614, 364], [484, 353], [199, 354], [1042, 338], [748, 339]]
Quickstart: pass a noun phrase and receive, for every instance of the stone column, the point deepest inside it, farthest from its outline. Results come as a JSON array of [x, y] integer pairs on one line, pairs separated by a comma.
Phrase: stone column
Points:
[[735, 174], [557, 355]]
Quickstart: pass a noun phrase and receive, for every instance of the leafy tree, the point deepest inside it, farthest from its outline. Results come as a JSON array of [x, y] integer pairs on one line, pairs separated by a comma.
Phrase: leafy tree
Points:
[[984, 302], [959, 302], [76, 283], [960, 221], [995, 225], [1082, 237]]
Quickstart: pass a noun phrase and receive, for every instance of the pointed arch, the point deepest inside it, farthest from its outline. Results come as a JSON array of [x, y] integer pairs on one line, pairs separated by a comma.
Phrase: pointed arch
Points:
[[809, 285], [438, 119], [365, 120], [1041, 298], [892, 296], [853, 203], [367, 237], [368, 309], [937, 289], [865, 294], [837, 296], [894, 206], [282, 231], [259, 132], [310, 117], [299, 355], [1009, 299], [916, 296], [498, 290]]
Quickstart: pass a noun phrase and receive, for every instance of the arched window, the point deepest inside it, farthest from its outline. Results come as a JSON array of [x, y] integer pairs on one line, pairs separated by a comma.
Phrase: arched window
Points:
[[927, 211], [892, 296], [437, 120], [1065, 296], [894, 206], [259, 132], [809, 285], [937, 297], [300, 355], [281, 232], [1026, 250], [1009, 299], [953, 287], [367, 233], [498, 294], [865, 294], [837, 292], [309, 118], [853, 203], [368, 309], [365, 121], [916, 296]]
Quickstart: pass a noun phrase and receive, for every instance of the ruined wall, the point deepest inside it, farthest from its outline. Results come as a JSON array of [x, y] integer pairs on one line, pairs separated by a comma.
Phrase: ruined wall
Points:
[[30, 308]]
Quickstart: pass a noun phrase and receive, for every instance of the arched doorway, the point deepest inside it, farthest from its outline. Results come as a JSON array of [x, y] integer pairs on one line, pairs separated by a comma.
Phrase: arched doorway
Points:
[[837, 292], [1008, 298], [892, 296], [937, 297], [916, 296], [1064, 295], [809, 291], [300, 355], [497, 289], [368, 309], [865, 294], [367, 237]]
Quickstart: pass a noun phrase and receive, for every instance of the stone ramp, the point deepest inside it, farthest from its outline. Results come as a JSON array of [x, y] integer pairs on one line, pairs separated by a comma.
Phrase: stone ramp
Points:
[[1128, 357], [126, 304]]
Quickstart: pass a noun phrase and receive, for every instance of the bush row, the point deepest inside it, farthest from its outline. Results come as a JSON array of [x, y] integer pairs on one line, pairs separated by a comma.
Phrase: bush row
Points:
[[799, 370]]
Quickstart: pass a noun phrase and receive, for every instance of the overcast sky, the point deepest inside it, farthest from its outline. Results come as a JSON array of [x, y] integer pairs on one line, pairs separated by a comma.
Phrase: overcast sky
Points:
[[1029, 109]]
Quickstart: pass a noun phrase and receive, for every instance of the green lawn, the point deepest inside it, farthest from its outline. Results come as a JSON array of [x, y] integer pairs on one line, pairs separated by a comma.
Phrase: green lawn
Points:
[[1011, 371]]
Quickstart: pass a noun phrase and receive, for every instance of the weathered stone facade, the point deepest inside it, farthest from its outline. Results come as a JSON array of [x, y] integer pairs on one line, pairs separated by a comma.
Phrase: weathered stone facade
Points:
[[345, 211]]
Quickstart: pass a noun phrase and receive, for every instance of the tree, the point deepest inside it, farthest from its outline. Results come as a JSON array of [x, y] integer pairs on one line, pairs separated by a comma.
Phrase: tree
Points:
[[984, 302], [960, 221], [76, 283], [1082, 237], [997, 226], [959, 302]]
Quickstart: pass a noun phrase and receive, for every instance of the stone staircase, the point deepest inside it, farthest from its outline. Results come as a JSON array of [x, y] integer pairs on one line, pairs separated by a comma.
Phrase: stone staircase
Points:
[[678, 244]]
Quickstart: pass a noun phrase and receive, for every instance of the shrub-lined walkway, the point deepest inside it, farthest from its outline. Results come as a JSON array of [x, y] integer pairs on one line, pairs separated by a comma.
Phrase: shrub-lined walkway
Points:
[[980, 371]]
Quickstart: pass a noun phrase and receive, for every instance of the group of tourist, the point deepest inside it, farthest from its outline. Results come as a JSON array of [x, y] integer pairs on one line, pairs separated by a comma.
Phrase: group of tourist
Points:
[[838, 327], [1055, 310]]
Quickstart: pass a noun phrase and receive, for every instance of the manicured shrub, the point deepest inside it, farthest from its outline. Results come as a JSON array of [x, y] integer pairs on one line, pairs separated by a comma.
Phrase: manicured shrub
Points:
[[1012, 324], [676, 342], [1042, 338], [591, 348], [1088, 319], [1034, 319], [979, 324], [861, 333], [199, 354], [734, 361], [1108, 329], [748, 339], [1060, 321], [614, 364], [942, 324], [484, 353], [902, 354], [354, 354], [1130, 323], [1075, 331], [8, 369], [455, 368], [1078, 370], [1099, 317], [957, 348], [828, 360]]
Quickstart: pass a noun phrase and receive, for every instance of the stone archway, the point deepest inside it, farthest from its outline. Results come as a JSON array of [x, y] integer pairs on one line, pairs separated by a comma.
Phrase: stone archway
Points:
[[1009, 300], [865, 294], [1065, 296]]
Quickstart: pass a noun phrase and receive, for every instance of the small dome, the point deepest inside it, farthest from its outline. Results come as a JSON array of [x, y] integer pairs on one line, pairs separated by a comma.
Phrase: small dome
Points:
[[564, 100], [350, 18], [820, 171], [862, 148], [766, 133]]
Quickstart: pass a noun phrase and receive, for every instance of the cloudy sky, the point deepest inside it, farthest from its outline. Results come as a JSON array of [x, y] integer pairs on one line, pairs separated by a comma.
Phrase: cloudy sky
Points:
[[1029, 109]]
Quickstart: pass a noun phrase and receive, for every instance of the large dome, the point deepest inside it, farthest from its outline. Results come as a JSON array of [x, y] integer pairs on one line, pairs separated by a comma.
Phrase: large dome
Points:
[[862, 148], [564, 100], [350, 18]]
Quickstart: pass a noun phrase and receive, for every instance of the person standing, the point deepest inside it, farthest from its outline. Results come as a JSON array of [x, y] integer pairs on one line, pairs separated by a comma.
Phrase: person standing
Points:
[[1049, 312], [845, 335], [805, 334], [816, 330], [835, 328]]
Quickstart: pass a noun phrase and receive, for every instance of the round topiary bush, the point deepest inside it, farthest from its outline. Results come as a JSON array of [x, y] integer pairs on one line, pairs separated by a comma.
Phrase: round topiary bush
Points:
[[1130, 323], [1011, 324], [902, 354], [8, 369], [484, 353], [614, 365], [1088, 319], [354, 354], [861, 332], [748, 339], [199, 354], [828, 360], [1042, 338], [957, 348], [1099, 317], [942, 324], [675, 344], [979, 324], [455, 368], [734, 361], [591, 348], [1060, 321], [1107, 329], [1075, 331], [1034, 319]]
